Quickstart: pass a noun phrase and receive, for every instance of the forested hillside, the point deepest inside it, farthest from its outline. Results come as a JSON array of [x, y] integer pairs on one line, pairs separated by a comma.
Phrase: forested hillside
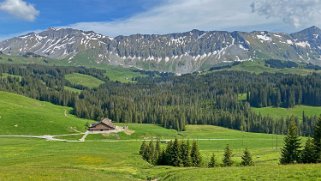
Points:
[[172, 101]]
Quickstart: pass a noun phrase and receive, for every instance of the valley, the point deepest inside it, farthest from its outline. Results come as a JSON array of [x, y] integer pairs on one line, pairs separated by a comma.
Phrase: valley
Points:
[[258, 91], [116, 156]]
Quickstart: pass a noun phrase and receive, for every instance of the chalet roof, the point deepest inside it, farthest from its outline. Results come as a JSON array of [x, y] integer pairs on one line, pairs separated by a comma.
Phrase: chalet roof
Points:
[[106, 122]]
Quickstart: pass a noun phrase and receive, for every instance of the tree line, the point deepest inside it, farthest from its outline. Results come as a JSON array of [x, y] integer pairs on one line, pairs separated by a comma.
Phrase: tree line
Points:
[[182, 154], [164, 99], [292, 152]]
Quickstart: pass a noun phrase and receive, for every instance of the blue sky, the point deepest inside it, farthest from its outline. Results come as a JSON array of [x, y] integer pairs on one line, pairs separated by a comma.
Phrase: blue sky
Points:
[[115, 17]]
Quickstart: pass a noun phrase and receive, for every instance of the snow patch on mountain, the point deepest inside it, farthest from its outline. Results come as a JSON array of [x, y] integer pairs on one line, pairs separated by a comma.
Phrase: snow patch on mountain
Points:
[[264, 37], [303, 44]]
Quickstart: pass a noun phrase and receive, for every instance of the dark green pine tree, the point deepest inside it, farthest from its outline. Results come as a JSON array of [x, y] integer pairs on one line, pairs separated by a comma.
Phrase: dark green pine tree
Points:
[[212, 162], [227, 160], [247, 158], [175, 153], [291, 150], [317, 138], [157, 153], [308, 154], [151, 151], [146, 153], [196, 158], [162, 158], [185, 154], [167, 158], [142, 148]]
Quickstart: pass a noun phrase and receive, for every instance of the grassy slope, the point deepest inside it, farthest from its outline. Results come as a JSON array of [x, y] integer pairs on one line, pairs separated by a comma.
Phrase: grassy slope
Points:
[[283, 112], [71, 89], [258, 67], [22, 115], [115, 73], [277, 172], [84, 80], [35, 159], [42, 160]]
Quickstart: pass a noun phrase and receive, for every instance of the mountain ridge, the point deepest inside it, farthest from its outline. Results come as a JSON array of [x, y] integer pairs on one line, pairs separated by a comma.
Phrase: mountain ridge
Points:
[[174, 52]]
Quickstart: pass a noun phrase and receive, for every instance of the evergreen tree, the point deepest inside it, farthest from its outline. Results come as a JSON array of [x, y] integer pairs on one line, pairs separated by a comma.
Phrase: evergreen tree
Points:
[[185, 154], [317, 138], [227, 160], [308, 154], [157, 152], [247, 158], [146, 153], [168, 154], [212, 162], [151, 151], [142, 148], [196, 158], [175, 153], [290, 151], [162, 158]]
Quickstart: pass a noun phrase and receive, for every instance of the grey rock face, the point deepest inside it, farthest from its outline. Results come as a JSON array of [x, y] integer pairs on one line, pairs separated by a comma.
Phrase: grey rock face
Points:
[[176, 52]]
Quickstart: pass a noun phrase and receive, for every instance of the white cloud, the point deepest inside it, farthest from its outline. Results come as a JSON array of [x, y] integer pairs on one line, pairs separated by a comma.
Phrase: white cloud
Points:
[[184, 15], [299, 13], [19, 9]]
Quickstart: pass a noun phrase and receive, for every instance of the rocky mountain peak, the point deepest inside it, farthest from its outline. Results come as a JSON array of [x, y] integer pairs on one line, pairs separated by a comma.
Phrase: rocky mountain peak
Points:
[[176, 52]]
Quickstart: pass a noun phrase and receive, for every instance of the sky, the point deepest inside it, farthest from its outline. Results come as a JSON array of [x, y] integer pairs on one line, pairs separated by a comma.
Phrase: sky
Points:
[[125, 17]]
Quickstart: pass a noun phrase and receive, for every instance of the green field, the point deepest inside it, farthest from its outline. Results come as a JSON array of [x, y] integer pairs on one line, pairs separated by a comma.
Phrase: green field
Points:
[[116, 157], [22, 115], [115, 73], [84, 80], [71, 89], [125, 75], [284, 112], [258, 67], [109, 159], [5, 75]]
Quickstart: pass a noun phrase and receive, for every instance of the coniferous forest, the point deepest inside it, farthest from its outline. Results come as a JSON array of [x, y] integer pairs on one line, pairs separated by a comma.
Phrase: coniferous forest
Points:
[[174, 101]]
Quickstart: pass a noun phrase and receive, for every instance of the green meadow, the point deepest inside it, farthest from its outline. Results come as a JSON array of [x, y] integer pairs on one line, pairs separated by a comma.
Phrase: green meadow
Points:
[[113, 72], [259, 67], [84, 80], [115, 157], [287, 112], [22, 115]]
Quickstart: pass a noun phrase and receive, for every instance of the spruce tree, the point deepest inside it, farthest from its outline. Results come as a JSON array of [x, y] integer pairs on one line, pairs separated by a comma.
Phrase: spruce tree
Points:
[[168, 154], [308, 154], [146, 153], [317, 138], [157, 152], [151, 151], [175, 153], [290, 151], [162, 158], [142, 148], [247, 158], [227, 160], [185, 154], [212, 162], [196, 158]]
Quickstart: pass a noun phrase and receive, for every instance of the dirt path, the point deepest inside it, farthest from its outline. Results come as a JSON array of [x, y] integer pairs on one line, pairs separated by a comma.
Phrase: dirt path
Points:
[[46, 137], [83, 139]]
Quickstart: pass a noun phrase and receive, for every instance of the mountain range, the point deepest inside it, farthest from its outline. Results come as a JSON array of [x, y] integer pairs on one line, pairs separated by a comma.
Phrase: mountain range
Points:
[[177, 52]]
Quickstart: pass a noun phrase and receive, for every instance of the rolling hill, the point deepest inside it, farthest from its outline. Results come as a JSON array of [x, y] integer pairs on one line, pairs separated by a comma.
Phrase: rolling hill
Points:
[[24, 116]]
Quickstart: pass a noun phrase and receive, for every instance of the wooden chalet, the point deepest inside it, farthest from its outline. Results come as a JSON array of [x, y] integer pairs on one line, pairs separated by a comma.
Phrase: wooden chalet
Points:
[[104, 125]]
